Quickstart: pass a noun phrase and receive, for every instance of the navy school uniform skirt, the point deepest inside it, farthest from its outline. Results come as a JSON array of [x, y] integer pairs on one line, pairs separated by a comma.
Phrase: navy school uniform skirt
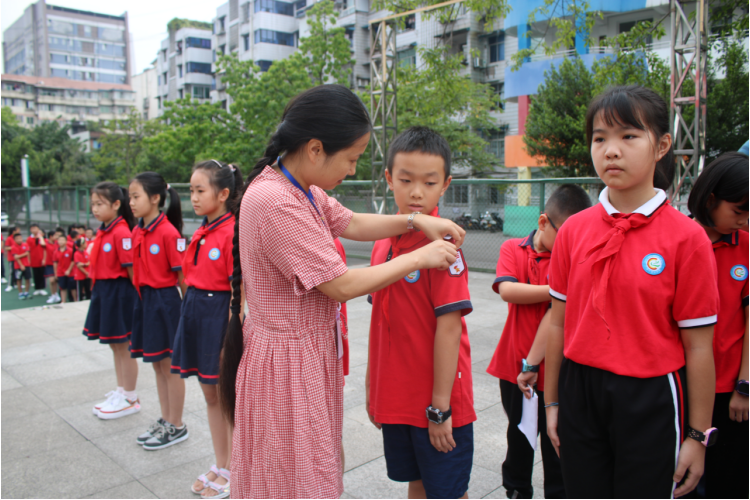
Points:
[[155, 319], [110, 316], [203, 324]]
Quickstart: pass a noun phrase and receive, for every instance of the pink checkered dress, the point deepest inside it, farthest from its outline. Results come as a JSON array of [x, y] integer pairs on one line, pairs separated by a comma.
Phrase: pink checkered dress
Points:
[[289, 413]]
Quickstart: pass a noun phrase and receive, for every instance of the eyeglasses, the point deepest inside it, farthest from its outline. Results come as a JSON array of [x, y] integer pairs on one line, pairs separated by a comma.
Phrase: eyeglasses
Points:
[[551, 223]]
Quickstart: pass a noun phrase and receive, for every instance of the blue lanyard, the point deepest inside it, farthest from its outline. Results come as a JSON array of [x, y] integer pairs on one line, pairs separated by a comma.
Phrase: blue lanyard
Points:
[[298, 186]]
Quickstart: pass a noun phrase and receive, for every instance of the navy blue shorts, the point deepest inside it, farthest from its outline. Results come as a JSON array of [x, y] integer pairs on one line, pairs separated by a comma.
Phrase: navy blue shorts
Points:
[[155, 319], [110, 316], [49, 272], [200, 334], [25, 274], [409, 456], [67, 283]]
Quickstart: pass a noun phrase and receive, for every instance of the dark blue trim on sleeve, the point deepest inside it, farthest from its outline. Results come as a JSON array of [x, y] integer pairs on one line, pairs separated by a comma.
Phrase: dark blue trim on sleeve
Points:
[[744, 302], [128, 264], [456, 306], [230, 278], [177, 268], [369, 299], [498, 280]]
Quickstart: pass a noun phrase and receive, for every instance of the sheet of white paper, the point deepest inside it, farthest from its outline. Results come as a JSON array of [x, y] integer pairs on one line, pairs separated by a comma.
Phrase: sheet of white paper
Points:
[[530, 419]]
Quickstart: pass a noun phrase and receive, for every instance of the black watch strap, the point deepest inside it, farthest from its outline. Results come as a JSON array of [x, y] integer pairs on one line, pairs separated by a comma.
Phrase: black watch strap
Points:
[[741, 387], [436, 416]]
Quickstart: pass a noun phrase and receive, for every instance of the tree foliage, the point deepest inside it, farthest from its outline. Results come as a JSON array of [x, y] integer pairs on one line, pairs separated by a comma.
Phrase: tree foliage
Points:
[[327, 48]]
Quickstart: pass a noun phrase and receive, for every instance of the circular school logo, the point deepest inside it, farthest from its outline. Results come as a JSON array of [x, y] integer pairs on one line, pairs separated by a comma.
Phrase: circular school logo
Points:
[[107, 247], [739, 273], [214, 254], [653, 264], [154, 249], [412, 277]]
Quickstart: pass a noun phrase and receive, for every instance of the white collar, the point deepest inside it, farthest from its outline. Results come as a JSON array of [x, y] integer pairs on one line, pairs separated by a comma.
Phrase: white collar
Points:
[[646, 209]]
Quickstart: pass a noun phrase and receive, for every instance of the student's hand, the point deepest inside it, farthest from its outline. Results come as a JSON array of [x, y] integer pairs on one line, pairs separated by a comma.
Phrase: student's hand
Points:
[[22, 267], [552, 428], [526, 382], [738, 407], [67, 273], [689, 466], [436, 228], [439, 254], [441, 435]]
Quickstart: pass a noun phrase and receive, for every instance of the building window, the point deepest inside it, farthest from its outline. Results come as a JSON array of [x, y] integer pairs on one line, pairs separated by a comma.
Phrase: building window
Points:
[[30, 120], [246, 12], [179, 70], [181, 93], [164, 78], [350, 35], [164, 55], [499, 90], [410, 23], [264, 65], [198, 43], [195, 67], [158, 102], [274, 7], [497, 47], [496, 145], [105, 110], [277, 37], [201, 92], [407, 57], [457, 195], [221, 24], [625, 27], [246, 42]]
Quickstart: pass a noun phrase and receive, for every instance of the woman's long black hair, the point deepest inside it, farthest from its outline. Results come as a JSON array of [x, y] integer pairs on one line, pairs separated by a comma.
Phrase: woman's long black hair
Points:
[[112, 193], [638, 107], [154, 184], [336, 117]]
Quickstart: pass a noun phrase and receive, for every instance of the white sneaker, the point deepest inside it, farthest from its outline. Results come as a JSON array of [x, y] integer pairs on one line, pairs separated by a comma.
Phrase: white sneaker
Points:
[[36, 292], [119, 406], [42, 292], [3, 280], [109, 396], [8, 288], [51, 299], [57, 298]]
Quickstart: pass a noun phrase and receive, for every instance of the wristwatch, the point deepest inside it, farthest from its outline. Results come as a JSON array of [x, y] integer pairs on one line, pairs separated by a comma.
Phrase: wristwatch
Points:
[[410, 220], [436, 416], [707, 438], [525, 367], [741, 387]]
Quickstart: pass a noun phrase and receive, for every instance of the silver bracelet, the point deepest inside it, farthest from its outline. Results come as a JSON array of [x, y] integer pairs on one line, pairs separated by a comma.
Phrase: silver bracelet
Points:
[[551, 404]]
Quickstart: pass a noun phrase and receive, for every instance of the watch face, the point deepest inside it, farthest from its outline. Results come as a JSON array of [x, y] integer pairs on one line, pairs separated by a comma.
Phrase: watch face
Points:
[[713, 436], [742, 387]]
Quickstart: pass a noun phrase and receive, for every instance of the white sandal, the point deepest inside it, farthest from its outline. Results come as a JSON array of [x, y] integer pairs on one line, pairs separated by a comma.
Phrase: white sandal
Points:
[[203, 479], [221, 489]]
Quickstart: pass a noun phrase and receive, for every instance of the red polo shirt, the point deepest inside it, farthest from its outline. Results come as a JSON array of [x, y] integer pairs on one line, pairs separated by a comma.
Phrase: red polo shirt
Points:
[[63, 259], [50, 249], [208, 262], [158, 250], [37, 251], [9, 242], [113, 246], [18, 250], [344, 320], [663, 278], [731, 253], [402, 345], [519, 263], [82, 258]]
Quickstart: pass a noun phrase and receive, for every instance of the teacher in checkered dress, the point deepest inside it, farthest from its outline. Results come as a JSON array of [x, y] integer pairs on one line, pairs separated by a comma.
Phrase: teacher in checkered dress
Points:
[[281, 377]]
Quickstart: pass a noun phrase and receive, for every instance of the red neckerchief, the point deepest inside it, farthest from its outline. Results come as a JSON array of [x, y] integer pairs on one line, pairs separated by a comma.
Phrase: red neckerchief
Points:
[[98, 244], [202, 231], [136, 249], [399, 243], [533, 256], [606, 250]]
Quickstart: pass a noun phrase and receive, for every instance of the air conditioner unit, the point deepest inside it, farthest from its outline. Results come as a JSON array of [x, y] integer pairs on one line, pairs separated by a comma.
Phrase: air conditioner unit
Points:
[[479, 63]]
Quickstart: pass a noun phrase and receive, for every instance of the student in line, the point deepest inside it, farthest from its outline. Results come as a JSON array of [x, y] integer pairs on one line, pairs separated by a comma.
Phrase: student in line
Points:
[[21, 265], [81, 270], [719, 203], [38, 253], [63, 264], [419, 382], [284, 376], [518, 361], [634, 303], [49, 268], [7, 248]]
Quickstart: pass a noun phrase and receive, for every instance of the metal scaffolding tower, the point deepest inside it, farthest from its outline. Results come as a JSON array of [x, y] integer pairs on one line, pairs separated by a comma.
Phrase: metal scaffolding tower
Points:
[[688, 91]]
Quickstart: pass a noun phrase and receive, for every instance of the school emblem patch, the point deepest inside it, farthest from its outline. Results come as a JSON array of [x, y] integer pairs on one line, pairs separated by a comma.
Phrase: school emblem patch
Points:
[[412, 277], [653, 264], [739, 273], [458, 267], [127, 244], [107, 247], [214, 253], [154, 249], [180, 244]]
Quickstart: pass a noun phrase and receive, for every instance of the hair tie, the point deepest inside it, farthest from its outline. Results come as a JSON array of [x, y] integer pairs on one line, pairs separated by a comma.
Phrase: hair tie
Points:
[[169, 187], [234, 169], [218, 163], [235, 309]]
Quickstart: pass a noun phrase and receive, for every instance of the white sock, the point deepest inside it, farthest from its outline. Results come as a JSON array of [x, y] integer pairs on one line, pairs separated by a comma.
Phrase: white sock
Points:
[[130, 395], [121, 390]]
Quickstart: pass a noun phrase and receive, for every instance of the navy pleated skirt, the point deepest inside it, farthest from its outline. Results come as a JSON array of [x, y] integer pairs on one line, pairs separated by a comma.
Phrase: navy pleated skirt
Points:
[[155, 319], [200, 335], [110, 316]]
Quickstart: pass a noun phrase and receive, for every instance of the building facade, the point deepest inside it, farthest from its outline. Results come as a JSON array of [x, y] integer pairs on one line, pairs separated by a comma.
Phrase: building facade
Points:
[[183, 65], [147, 93], [51, 41], [34, 100]]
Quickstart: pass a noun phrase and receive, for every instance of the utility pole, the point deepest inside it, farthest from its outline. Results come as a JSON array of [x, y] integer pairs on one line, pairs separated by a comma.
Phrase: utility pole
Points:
[[688, 60], [26, 184]]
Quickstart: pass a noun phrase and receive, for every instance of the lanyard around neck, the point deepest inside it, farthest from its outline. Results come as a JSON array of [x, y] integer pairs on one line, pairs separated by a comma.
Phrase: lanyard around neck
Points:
[[299, 186]]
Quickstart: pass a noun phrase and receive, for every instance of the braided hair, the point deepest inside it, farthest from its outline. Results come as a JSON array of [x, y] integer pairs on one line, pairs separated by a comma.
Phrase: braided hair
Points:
[[336, 117]]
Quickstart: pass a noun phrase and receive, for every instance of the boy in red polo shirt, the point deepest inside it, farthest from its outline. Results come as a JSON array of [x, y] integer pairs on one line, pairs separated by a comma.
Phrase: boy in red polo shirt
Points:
[[21, 264], [419, 383], [518, 361], [38, 248]]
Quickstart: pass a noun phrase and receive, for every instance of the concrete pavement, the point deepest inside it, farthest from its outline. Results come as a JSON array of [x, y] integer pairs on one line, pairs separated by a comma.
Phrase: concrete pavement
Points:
[[52, 446]]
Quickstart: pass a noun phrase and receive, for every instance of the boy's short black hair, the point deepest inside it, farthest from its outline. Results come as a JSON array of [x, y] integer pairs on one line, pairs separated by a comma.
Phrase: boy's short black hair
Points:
[[17, 234], [11, 230], [726, 178], [33, 225], [424, 140], [568, 199], [51, 233]]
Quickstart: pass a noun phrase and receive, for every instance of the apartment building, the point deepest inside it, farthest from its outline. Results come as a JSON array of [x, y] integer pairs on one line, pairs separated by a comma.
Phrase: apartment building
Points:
[[52, 41], [147, 92], [183, 65], [34, 100]]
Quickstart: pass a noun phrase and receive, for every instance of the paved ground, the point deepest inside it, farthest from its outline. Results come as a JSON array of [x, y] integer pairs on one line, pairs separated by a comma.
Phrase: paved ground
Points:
[[53, 447]]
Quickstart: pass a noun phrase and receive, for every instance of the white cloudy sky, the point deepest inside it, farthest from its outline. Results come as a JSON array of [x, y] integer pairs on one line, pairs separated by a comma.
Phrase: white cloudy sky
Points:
[[148, 18]]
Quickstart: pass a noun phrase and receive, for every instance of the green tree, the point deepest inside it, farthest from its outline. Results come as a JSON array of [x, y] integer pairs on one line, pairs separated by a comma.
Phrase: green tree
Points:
[[122, 147], [327, 47]]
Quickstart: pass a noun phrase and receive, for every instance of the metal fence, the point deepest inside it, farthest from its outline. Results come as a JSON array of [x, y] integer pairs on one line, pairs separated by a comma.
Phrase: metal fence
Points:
[[491, 210]]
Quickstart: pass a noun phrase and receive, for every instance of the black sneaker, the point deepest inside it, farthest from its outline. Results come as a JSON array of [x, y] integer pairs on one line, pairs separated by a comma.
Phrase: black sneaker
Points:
[[165, 436], [151, 431]]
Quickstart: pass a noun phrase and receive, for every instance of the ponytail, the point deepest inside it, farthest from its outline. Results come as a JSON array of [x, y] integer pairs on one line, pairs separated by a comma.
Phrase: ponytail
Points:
[[336, 117], [224, 176], [112, 193], [154, 184]]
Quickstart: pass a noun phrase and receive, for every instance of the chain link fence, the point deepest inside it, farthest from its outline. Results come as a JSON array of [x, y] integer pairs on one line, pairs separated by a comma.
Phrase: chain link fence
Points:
[[491, 210]]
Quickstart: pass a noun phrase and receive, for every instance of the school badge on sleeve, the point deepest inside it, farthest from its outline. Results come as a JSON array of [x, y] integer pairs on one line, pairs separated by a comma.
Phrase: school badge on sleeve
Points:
[[127, 244], [180, 244], [458, 267]]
